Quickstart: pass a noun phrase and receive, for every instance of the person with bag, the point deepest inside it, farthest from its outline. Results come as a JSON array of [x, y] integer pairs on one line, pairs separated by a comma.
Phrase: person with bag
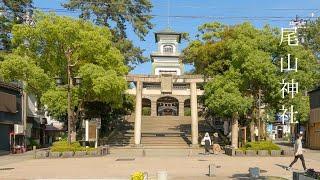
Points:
[[206, 141]]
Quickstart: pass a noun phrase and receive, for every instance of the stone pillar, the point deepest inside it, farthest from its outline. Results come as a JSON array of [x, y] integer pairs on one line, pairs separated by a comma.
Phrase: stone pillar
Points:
[[138, 111], [194, 113], [153, 108], [181, 108]]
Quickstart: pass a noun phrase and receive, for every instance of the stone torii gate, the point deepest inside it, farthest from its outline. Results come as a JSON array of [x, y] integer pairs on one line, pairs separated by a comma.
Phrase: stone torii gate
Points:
[[169, 85]]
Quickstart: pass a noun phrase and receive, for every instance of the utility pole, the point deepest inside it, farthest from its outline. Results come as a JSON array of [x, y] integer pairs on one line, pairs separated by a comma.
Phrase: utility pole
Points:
[[28, 20], [69, 88], [297, 24]]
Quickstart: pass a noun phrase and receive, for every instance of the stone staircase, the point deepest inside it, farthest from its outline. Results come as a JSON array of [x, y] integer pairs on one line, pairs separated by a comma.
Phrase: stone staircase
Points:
[[164, 123], [160, 132]]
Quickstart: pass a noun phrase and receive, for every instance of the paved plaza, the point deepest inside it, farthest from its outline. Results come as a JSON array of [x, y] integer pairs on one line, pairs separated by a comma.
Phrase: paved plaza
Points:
[[119, 165]]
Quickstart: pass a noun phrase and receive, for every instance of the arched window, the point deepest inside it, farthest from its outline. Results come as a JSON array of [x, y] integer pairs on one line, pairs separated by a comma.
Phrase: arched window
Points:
[[168, 49]]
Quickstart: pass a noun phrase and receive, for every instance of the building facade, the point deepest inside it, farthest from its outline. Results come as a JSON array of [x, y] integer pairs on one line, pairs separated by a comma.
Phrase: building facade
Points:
[[10, 114], [167, 91], [313, 133]]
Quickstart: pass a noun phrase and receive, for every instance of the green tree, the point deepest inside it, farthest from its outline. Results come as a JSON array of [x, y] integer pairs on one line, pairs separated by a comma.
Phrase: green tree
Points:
[[222, 95], [53, 43], [311, 37], [255, 54], [116, 15], [15, 67], [11, 13]]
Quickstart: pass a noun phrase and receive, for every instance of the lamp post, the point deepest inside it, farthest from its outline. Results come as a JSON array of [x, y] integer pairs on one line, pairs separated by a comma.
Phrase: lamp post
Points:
[[69, 86]]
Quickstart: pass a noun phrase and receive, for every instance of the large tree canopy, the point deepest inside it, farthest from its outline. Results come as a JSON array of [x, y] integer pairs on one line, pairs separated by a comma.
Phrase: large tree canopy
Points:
[[116, 15], [224, 97], [255, 54], [55, 40], [311, 36], [11, 12]]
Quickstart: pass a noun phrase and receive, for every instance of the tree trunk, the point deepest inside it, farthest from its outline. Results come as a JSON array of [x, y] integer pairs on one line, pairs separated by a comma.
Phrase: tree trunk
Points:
[[234, 131], [263, 130], [252, 135]]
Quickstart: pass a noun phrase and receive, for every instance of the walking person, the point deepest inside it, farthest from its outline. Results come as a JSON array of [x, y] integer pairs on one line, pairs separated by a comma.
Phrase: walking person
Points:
[[298, 153], [206, 141]]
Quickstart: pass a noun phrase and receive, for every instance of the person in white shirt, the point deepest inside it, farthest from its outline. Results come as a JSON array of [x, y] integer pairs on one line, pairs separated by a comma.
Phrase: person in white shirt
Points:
[[207, 143], [298, 153]]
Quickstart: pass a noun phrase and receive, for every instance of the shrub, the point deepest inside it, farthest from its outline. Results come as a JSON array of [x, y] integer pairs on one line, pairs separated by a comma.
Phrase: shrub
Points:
[[261, 145], [32, 143], [63, 146], [137, 176]]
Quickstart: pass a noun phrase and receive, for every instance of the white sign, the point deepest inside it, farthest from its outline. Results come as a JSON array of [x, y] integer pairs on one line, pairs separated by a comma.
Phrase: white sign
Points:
[[18, 129]]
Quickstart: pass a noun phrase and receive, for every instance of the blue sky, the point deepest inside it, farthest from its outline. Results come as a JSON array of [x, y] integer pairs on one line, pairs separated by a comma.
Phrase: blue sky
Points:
[[277, 13]]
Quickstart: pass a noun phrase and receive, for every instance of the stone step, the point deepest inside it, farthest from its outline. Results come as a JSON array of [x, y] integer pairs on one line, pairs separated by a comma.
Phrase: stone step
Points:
[[155, 151], [162, 142], [166, 143]]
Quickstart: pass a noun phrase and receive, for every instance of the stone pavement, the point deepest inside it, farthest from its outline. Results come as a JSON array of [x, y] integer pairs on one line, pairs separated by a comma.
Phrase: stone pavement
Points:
[[178, 167], [14, 158]]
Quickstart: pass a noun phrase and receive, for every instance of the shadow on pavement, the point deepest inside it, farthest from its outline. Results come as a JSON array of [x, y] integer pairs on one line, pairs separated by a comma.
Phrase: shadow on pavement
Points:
[[288, 144], [246, 176], [282, 166], [240, 176]]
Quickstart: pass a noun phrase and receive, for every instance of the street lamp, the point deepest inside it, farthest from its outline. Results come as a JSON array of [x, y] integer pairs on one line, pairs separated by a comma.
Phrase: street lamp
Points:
[[69, 86], [78, 80], [58, 80]]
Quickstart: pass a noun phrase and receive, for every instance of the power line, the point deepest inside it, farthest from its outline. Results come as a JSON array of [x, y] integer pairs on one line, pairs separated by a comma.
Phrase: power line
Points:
[[286, 18], [199, 6], [254, 18], [205, 6]]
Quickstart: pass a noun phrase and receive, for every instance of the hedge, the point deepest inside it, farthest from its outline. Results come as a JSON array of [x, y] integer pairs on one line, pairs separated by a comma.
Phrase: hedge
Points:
[[63, 146], [261, 145]]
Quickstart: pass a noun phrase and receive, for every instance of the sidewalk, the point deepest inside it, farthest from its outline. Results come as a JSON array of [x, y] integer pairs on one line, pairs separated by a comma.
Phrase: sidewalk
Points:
[[177, 167], [15, 158]]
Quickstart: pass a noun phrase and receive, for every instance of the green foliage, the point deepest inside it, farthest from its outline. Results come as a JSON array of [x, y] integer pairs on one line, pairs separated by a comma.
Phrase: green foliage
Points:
[[311, 37], [32, 143], [63, 146], [56, 102], [251, 59], [261, 145], [15, 67], [111, 12], [44, 50], [104, 85], [132, 55], [137, 176], [53, 37], [223, 96], [115, 16], [13, 12], [301, 105]]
